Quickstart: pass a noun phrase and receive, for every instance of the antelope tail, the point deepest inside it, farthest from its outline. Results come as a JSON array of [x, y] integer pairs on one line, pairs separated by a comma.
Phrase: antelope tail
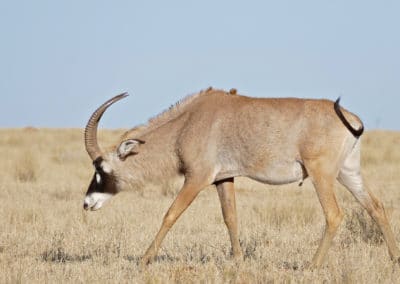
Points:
[[356, 132]]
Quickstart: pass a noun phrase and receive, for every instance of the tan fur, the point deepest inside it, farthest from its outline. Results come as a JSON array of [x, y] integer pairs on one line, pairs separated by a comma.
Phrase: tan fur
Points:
[[166, 116], [214, 136]]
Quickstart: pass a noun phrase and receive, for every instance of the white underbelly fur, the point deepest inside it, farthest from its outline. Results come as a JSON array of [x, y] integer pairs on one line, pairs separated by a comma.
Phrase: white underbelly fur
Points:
[[279, 173]]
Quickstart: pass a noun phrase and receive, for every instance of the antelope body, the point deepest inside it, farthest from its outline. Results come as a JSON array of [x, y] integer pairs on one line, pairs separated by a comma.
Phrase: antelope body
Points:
[[214, 136]]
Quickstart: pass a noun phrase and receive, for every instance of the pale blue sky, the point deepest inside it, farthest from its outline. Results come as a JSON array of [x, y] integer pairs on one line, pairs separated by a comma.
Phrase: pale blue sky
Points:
[[60, 59]]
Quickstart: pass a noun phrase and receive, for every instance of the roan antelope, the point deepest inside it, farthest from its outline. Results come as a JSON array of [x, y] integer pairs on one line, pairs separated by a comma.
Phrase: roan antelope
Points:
[[214, 136]]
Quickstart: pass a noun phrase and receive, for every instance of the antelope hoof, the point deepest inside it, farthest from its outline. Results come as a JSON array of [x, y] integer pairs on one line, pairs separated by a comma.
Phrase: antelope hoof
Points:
[[143, 264], [146, 260], [237, 256]]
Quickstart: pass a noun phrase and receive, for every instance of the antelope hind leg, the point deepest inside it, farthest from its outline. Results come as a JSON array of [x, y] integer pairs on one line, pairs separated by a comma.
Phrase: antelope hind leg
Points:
[[324, 185], [350, 177], [352, 180]]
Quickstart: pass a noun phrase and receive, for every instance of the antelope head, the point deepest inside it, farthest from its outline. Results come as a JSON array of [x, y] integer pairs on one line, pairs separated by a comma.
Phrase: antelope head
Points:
[[104, 182]]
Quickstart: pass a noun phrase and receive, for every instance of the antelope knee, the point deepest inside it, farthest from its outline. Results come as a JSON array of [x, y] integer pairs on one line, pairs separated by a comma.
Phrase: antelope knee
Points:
[[333, 221], [230, 221], [169, 220]]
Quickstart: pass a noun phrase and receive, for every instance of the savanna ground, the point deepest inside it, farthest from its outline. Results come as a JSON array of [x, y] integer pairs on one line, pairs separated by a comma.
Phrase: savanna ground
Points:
[[46, 237]]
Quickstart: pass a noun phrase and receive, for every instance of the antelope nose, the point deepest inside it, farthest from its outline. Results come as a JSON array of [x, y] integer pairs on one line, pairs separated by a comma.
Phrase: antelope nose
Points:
[[85, 206]]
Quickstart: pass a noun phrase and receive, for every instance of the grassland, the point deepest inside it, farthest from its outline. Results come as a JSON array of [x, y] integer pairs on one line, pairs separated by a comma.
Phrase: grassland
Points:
[[46, 237]]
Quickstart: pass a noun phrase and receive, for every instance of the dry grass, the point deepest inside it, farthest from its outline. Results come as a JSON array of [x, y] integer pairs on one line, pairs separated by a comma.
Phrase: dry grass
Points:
[[46, 237]]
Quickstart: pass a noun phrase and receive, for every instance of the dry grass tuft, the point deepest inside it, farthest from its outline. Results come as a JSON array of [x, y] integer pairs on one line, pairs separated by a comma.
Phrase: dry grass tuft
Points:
[[26, 168], [56, 252], [361, 227], [46, 237]]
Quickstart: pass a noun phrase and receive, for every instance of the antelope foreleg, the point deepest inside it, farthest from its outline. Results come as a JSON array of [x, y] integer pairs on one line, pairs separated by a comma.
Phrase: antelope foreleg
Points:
[[181, 202], [226, 193]]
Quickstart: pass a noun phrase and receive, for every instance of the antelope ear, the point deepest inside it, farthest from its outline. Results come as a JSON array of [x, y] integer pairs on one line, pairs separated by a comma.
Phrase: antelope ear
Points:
[[129, 147]]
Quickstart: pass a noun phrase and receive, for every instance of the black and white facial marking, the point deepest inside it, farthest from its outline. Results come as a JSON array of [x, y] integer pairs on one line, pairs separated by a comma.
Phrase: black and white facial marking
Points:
[[101, 188]]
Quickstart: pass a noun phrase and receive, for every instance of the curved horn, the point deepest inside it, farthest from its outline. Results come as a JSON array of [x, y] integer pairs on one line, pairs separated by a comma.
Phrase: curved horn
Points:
[[92, 147]]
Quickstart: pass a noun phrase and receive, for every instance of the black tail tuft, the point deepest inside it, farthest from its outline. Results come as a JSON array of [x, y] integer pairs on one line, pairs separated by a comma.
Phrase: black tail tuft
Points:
[[356, 132]]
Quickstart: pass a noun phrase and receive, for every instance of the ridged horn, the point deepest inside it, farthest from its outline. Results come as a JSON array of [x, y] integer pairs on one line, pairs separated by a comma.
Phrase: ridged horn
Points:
[[92, 147]]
